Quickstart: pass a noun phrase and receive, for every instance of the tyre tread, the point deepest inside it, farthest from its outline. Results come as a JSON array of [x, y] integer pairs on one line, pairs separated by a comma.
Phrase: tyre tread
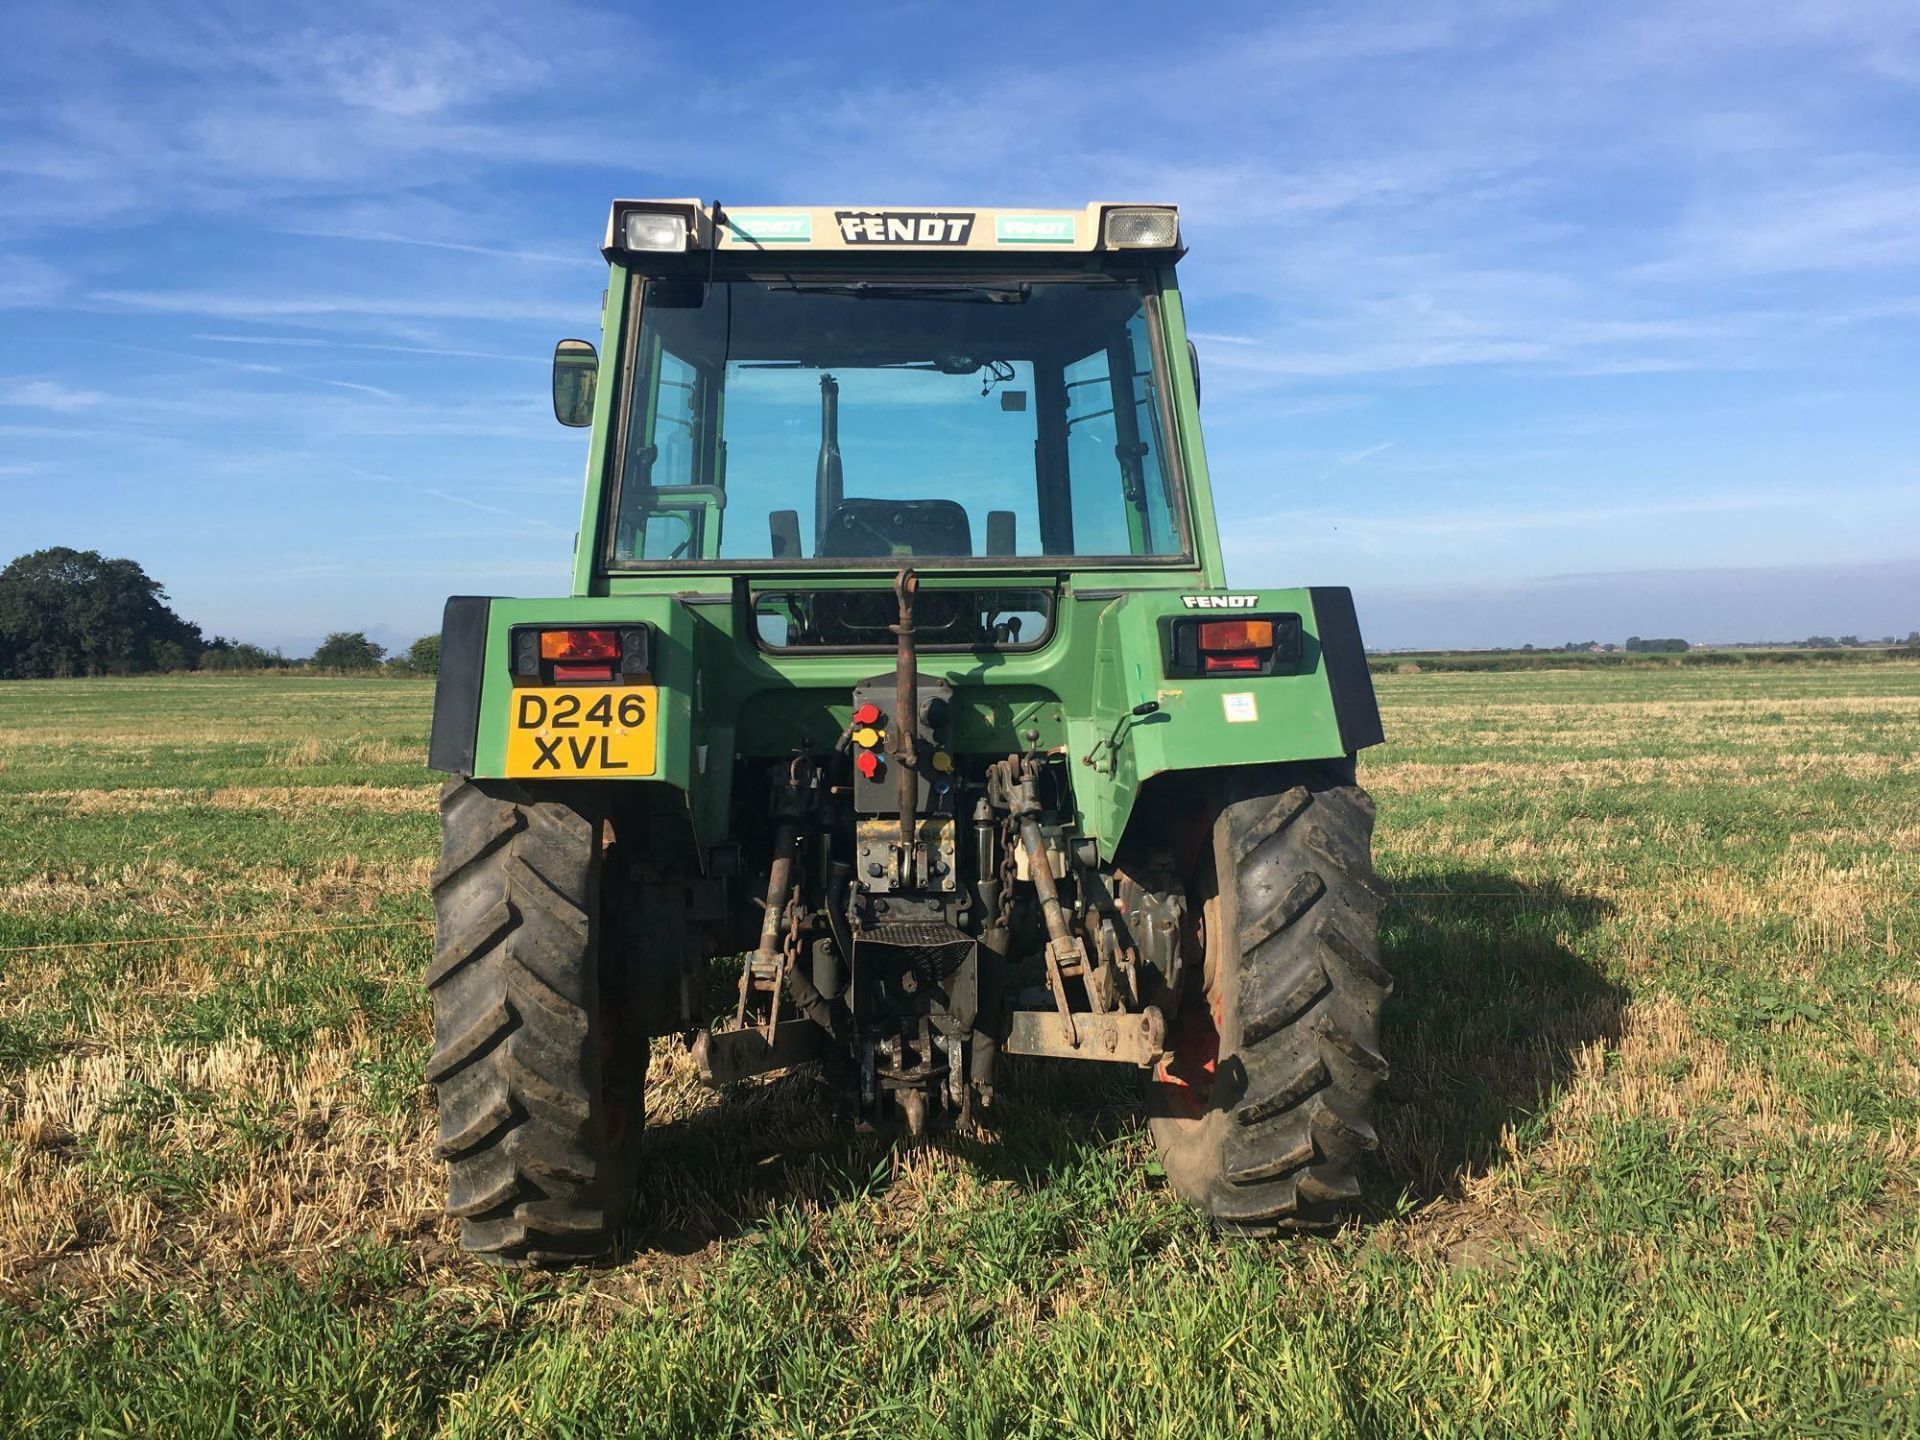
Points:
[[516, 1058], [1307, 992]]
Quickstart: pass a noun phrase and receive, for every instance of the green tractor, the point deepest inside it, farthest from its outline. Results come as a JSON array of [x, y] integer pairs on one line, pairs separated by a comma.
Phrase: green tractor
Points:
[[901, 663]]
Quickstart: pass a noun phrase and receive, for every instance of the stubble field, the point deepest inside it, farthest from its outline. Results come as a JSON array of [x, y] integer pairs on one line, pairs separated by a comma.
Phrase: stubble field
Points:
[[1650, 1154]]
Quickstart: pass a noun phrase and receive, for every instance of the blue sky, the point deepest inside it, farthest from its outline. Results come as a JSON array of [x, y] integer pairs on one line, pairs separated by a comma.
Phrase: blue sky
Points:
[[1529, 321]]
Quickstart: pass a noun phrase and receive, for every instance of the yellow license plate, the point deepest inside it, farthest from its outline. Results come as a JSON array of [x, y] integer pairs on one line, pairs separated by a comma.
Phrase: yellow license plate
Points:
[[565, 732]]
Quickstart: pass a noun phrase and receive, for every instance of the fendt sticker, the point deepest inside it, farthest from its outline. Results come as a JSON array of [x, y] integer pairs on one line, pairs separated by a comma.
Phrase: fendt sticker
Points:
[[758, 229], [1219, 602], [1034, 230], [904, 227]]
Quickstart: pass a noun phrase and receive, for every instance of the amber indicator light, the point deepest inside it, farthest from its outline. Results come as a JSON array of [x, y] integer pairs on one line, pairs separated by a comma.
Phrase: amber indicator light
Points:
[[1223, 635]]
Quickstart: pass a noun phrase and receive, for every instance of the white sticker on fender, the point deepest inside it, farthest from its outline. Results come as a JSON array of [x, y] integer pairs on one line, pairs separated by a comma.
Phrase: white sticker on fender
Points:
[[1240, 708], [1219, 602]]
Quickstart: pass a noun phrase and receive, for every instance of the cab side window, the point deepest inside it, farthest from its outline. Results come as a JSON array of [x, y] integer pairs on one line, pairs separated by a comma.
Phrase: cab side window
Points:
[[665, 449], [1116, 478]]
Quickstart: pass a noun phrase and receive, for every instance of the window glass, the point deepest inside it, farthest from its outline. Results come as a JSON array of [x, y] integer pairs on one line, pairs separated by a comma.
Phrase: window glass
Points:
[[925, 459], [838, 420], [1099, 501], [675, 422], [1122, 503], [1155, 474], [863, 619]]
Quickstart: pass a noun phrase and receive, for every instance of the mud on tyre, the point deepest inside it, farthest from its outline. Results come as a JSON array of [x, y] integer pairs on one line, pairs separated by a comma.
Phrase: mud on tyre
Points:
[[1265, 1108]]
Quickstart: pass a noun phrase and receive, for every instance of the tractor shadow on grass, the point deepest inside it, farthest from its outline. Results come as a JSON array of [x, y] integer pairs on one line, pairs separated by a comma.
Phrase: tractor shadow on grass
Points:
[[726, 1163], [1491, 1006], [723, 1170]]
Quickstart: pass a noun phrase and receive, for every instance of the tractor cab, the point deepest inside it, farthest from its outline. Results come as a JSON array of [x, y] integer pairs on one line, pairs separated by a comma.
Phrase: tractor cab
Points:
[[857, 389]]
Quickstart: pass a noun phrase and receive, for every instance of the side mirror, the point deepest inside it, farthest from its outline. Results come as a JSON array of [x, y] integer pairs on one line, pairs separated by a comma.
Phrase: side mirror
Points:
[[1193, 358], [576, 370]]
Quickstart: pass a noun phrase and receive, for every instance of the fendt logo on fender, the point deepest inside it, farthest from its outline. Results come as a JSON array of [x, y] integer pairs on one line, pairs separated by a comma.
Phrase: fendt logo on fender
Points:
[[904, 227], [1219, 602]]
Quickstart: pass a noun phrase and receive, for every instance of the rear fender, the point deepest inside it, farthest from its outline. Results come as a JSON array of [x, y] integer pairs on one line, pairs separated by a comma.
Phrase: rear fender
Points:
[[474, 692], [1323, 708]]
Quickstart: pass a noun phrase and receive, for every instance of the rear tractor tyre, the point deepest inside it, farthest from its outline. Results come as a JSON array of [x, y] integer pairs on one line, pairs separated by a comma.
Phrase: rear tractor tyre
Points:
[[1265, 1108], [540, 1079]]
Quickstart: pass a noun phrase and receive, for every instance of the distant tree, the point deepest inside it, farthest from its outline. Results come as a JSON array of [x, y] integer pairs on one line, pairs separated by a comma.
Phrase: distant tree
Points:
[[423, 656], [1849, 640], [238, 655], [173, 655], [1913, 637], [1656, 647], [75, 612], [347, 650]]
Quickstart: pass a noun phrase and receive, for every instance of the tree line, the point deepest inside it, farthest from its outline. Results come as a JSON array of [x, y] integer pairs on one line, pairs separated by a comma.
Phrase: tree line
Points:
[[66, 612]]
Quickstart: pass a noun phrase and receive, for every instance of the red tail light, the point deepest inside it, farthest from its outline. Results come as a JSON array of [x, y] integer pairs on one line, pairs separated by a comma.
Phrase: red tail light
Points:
[[579, 644], [569, 674], [1226, 646]]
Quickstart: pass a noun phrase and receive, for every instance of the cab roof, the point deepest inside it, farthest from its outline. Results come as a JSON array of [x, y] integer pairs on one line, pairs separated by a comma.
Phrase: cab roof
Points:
[[880, 229]]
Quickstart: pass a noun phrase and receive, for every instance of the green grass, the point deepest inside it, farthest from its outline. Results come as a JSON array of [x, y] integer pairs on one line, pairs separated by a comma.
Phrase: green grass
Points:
[[1414, 662], [1650, 1155]]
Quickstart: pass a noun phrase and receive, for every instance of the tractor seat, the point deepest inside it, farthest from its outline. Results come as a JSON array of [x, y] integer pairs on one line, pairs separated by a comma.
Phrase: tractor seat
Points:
[[896, 527]]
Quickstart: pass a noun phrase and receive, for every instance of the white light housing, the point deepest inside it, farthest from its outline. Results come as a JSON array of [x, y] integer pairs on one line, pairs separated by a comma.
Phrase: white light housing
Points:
[[655, 230], [1142, 229]]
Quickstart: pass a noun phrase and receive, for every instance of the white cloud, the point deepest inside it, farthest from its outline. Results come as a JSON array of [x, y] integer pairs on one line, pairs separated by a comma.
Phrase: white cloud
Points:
[[54, 395], [224, 306], [148, 111], [27, 282], [1401, 528], [581, 261], [1869, 221], [410, 74], [313, 342]]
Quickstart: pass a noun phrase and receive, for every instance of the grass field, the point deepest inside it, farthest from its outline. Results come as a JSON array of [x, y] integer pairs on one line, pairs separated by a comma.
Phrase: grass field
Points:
[[1650, 1162]]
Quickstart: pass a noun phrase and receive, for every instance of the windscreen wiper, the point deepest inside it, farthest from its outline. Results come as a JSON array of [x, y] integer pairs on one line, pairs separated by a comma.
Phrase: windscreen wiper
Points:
[[895, 290]]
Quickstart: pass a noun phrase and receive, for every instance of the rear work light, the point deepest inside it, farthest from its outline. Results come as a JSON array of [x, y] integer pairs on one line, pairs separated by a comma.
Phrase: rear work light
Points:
[[1144, 228], [581, 655], [654, 230], [1245, 645]]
